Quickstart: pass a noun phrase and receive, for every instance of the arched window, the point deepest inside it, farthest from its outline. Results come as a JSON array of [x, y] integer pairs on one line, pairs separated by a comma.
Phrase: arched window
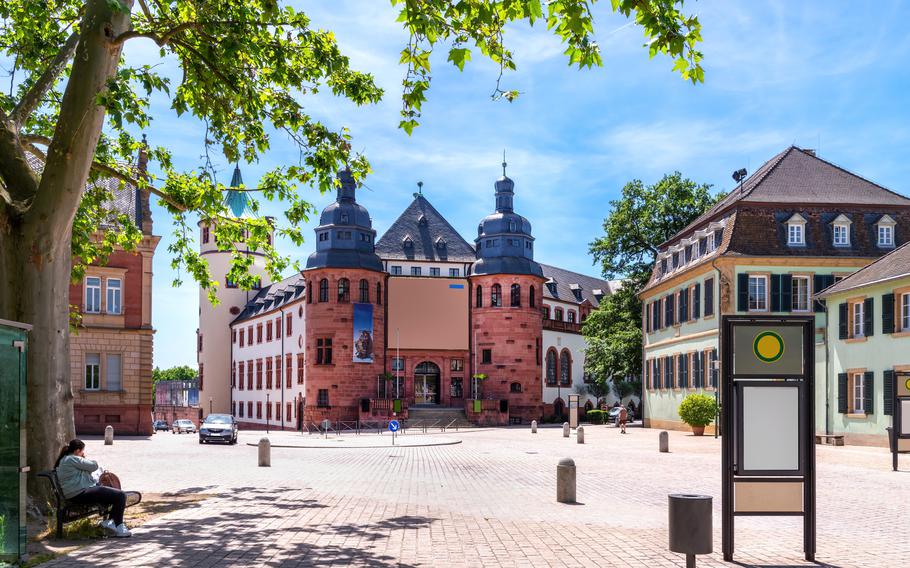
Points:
[[565, 368], [309, 292], [531, 301], [515, 296], [496, 296], [364, 291], [571, 316], [324, 290], [379, 293], [478, 301], [344, 291], [515, 387], [551, 368], [557, 314]]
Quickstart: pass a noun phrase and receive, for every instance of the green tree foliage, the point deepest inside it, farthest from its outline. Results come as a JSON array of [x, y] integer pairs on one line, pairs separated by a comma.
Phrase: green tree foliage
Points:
[[181, 373], [75, 106], [643, 218]]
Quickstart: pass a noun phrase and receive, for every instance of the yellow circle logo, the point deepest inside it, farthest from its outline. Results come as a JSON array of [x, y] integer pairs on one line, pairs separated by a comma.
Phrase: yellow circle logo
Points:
[[907, 384], [768, 346]]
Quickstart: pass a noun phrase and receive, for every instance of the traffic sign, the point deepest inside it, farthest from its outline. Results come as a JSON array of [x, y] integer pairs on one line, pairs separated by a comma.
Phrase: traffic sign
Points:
[[394, 426]]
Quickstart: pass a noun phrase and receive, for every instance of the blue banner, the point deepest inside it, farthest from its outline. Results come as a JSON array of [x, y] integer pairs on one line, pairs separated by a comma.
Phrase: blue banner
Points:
[[363, 333]]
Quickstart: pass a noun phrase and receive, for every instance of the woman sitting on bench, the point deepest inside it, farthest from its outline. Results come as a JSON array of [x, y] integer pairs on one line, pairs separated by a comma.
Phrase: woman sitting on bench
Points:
[[74, 472]]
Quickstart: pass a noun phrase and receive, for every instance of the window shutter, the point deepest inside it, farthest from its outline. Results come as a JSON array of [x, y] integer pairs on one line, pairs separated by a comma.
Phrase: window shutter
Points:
[[868, 321], [819, 283], [775, 292], [887, 313], [683, 371], [842, 393], [742, 292], [683, 305], [709, 297], [647, 308], [696, 302], [868, 392], [888, 392], [786, 292], [671, 309], [842, 320], [696, 369]]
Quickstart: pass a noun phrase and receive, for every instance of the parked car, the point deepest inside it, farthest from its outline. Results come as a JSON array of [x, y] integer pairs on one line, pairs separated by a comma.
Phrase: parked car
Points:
[[183, 426], [159, 425], [613, 415], [218, 428]]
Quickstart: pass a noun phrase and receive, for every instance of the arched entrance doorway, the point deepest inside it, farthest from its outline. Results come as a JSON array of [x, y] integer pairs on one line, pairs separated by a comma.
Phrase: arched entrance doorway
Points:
[[559, 409], [426, 383]]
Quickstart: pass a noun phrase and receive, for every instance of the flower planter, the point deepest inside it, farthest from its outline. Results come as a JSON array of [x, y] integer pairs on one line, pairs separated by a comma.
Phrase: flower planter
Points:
[[698, 430]]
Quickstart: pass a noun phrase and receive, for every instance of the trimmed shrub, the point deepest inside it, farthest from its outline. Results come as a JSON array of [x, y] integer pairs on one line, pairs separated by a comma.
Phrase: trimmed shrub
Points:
[[596, 416], [698, 409]]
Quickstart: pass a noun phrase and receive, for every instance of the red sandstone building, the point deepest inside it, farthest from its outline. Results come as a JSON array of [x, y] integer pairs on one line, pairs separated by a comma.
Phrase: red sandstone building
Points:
[[417, 324], [111, 348]]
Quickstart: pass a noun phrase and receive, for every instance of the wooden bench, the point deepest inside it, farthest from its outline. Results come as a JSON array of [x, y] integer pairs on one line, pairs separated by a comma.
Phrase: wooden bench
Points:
[[68, 511], [830, 439]]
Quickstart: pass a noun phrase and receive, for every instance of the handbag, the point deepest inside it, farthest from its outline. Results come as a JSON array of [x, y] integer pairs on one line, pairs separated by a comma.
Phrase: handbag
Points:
[[109, 479]]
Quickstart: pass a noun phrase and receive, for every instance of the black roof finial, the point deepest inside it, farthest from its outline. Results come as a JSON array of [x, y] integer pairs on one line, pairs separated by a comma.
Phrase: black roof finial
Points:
[[503, 162], [419, 190]]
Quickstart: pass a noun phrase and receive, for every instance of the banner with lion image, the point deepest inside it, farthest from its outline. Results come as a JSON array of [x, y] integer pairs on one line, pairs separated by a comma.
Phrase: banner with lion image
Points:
[[363, 333]]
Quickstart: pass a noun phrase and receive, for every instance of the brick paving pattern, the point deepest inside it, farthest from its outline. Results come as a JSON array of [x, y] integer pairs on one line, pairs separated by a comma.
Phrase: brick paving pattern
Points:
[[489, 501]]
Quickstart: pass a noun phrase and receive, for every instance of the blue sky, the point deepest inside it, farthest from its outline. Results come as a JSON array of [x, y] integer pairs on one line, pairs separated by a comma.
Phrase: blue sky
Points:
[[825, 75]]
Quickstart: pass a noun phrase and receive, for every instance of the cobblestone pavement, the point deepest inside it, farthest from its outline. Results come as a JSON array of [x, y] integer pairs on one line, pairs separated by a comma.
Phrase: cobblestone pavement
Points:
[[489, 501]]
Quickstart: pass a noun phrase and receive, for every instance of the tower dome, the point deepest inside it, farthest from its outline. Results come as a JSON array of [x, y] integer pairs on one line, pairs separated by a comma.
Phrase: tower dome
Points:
[[504, 242], [345, 237]]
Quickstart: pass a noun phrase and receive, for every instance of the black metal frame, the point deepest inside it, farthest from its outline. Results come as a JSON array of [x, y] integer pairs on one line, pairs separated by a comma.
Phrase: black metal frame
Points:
[[731, 423], [738, 401], [895, 434]]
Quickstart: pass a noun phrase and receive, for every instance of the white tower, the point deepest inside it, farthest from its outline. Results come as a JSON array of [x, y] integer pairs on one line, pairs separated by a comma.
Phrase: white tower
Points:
[[213, 341]]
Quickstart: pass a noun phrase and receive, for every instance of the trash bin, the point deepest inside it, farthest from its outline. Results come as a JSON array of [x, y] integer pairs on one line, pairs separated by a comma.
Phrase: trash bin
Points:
[[691, 526]]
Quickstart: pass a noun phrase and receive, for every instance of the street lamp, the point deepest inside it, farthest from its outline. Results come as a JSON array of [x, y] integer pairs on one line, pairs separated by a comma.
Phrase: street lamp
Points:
[[210, 404], [268, 411]]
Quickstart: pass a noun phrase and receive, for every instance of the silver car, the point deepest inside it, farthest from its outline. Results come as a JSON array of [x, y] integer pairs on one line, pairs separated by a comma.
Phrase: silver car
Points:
[[218, 428], [183, 426]]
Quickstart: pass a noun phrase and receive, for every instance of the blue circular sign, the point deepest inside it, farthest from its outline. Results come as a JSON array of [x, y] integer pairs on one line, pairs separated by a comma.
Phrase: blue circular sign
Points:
[[394, 426]]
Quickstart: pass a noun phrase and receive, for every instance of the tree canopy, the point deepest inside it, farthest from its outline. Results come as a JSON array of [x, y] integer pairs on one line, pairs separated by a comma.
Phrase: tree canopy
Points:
[[180, 373], [642, 219], [75, 109]]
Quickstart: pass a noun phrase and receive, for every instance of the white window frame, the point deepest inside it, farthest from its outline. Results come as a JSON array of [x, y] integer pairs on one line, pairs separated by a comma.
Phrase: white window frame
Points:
[[845, 228], [114, 295], [794, 295], [859, 393], [905, 312], [95, 307], [856, 319], [763, 305], [96, 373], [454, 272], [886, 230], [796, 234], [396, 270]]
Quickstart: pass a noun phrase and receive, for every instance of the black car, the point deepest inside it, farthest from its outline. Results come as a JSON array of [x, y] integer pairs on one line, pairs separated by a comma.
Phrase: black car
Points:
[[218, 428], [160, 425]]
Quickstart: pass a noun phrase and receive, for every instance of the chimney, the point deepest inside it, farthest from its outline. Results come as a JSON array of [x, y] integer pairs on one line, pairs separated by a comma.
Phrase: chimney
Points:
[[810, 151], [143, 209]]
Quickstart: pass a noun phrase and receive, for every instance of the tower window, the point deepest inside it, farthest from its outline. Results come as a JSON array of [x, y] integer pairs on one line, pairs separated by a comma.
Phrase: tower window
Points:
[[344, 291], [324, 290], [479, 297], [515, 299], [364, 291], [496, 296]]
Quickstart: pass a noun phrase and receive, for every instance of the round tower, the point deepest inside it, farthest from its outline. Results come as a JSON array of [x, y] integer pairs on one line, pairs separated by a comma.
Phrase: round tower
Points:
[[345, 311], [213, 338], [506, 321]]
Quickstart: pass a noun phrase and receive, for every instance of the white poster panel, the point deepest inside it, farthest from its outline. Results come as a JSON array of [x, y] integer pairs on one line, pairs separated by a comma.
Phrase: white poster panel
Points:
[[770, 428], [905, 417]]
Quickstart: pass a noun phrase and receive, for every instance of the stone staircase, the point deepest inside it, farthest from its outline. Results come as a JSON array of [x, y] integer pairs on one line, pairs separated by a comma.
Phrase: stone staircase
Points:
[[420, 415]]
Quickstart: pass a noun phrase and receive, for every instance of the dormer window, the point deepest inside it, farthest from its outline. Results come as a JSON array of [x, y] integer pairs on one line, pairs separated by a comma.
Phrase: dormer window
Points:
[[840, 229], [688, 254], [407, 242], [576, 290], [675, 260], [512, 226], [702, 246], [422, 221], [440, 243], [663, 266], [344, 218], [796, 231], [551, 287], [884, 229]]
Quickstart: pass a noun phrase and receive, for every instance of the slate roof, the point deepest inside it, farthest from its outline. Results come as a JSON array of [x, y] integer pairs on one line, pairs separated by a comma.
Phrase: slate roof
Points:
[[567, 282], [273, 296], [798, 176], [425, 226], [125, 197], [891, 266]]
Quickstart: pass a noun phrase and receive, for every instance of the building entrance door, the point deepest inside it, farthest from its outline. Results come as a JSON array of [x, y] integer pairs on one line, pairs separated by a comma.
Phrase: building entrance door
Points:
[[426, 383]]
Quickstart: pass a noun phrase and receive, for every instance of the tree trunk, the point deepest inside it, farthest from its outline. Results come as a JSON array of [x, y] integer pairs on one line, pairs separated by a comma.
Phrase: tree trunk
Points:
[[35, 253]]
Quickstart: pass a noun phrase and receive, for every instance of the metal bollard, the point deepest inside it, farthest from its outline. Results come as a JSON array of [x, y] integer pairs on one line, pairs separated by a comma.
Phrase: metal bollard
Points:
[[580, 434], [565, 481], [533, 426], [691, 526], [565, 429], [664, 440], [265, 452], [108, 435]]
